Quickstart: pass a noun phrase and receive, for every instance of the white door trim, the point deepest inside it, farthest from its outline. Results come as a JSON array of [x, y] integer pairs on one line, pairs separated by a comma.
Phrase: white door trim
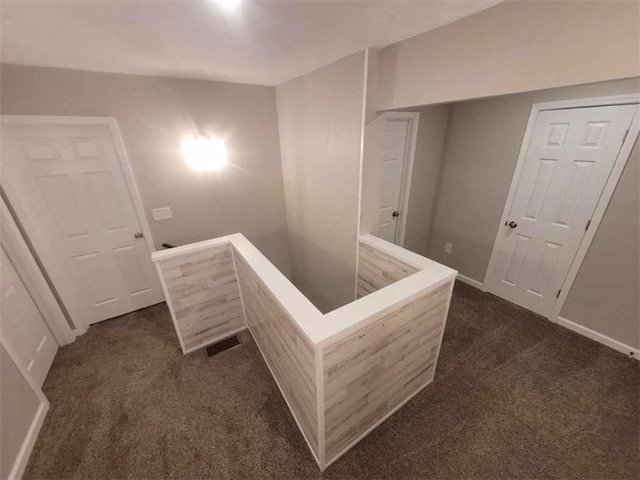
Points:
[[112, 125], [363, 126], [27, 445], [33, 279], [607, 193], [407, 170]]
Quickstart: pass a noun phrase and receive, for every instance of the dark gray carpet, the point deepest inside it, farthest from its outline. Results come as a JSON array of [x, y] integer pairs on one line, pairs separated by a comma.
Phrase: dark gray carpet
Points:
[[515, 396]]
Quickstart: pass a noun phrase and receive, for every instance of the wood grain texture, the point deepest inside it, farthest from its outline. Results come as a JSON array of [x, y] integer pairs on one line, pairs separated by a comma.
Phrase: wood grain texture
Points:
[[203, 290], [377, 269], [290, 355], [376, 368], [337, 390]]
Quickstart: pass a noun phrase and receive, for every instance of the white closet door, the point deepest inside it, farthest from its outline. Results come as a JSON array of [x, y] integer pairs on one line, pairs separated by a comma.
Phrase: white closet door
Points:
[[22, 325], [567, 165], [70, 192], [394, 152]]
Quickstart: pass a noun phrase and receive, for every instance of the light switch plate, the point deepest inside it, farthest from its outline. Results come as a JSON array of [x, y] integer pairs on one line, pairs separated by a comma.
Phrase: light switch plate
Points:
[[163, 213], [448, 247]]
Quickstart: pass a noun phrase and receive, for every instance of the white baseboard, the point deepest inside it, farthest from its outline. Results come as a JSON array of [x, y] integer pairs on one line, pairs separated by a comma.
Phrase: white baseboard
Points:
[[29, 442], [470, 281], [598, 337], [587, 332]]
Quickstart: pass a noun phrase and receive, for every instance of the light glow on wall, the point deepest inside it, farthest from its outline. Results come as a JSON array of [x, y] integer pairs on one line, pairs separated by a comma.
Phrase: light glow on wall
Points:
[[204, 153]]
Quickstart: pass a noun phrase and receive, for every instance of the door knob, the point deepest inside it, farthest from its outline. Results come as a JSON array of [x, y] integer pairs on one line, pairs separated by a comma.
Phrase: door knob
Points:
[[511, 224], [395, 214], [138, 235]]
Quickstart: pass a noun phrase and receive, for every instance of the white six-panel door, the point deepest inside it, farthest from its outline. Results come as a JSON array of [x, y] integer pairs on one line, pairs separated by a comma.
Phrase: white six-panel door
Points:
[[68, 186], [394, 151], [22, 325], [566, 167]]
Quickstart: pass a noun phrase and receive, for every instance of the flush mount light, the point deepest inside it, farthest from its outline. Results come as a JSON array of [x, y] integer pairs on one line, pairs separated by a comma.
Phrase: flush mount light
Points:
[[228, 3], [204, 153]]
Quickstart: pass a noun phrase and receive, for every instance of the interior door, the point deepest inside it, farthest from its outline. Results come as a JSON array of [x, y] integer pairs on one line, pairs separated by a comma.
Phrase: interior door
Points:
[[394, 152], [67, 185], [566, 167], [22, 325]]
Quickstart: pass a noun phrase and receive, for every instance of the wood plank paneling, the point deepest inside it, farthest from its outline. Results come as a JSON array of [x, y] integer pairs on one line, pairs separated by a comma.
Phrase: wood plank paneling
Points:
[[290, 355], [345, 383], [204, 293], [377, 269], [376, 368]]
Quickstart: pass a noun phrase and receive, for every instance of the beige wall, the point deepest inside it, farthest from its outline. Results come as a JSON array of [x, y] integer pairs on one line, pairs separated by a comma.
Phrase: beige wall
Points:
[[606, 293], [320, 118], [371, 175], [481, 148], [18, 407], [154, 114], [516, 46], [424, 181]]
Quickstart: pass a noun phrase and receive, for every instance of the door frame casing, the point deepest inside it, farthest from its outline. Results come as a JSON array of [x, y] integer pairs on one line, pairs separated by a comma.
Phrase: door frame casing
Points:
[[123, 158], [413, 119], [34, 281], [600, 209], [20, 463]]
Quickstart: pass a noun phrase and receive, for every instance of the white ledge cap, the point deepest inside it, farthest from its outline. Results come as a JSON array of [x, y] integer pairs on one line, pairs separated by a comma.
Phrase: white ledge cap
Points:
[[319, 328]]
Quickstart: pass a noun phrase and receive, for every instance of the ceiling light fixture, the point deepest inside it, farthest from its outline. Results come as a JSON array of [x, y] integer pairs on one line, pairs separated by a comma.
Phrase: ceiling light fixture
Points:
[[204, 153], [228, 3]]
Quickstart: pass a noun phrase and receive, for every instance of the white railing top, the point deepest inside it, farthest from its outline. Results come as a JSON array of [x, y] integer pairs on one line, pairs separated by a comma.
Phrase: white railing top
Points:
[[317, 327], [299, 308], [403, 254], [430, 276]]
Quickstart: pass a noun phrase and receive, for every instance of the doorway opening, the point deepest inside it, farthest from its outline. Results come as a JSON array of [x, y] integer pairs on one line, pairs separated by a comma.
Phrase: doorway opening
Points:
[[399, 138]]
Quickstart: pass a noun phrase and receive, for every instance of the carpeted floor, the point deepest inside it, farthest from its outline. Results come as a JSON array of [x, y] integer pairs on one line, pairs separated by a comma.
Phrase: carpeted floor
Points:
[[515, 396]]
